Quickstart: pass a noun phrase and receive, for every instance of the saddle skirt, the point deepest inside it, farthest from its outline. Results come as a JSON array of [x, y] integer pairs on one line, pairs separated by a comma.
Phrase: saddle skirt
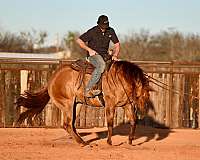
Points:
[[83, 66]]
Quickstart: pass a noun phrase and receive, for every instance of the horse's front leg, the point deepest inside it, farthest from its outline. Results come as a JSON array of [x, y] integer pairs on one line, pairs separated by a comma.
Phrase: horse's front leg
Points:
[[132, 119], [110, 116]]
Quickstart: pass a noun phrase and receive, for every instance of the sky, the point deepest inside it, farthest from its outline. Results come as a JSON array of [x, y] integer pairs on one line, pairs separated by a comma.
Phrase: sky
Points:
[[57, 17]]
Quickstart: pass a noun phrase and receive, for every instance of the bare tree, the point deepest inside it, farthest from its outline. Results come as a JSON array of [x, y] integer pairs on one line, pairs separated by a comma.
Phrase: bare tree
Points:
[[166, 45], [69, 42], [34, 39]]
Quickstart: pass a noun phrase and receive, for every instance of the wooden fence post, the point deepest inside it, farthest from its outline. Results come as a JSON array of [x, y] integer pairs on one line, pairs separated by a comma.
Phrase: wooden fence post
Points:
[[169, 108], [2, 98], [199, 104]]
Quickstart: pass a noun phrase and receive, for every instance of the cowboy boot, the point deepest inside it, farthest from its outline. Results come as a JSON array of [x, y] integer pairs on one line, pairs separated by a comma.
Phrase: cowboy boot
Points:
[[92, 93]]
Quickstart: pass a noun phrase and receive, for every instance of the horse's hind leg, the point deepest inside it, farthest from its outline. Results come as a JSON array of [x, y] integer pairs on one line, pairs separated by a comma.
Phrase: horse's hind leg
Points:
[[69, 125], [67, 119], [110, 116], [132, 119], [69, 107]]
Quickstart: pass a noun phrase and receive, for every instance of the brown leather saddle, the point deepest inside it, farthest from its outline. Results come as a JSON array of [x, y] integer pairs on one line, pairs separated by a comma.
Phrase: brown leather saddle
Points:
[[85, 67], [82, 66]]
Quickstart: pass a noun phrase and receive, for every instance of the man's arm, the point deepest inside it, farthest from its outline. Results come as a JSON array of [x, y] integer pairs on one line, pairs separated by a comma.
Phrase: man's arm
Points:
[[84, 46], [116, 51]]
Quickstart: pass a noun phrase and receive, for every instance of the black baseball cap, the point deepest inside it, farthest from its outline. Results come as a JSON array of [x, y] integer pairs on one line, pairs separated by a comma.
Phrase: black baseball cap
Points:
[[103, 21]]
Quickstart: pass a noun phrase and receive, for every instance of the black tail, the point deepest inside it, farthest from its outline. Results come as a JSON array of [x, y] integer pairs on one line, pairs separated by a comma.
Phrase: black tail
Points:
[[34, 102]]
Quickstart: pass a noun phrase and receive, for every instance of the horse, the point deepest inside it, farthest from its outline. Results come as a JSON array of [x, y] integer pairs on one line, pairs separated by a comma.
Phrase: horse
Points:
[[124, 84]]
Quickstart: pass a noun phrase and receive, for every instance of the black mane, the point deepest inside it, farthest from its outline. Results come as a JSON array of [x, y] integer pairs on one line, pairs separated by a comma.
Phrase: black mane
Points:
[[131, 72]]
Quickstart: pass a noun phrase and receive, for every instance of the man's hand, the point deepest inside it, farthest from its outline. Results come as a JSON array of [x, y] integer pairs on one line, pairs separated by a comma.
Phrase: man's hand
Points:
[[115, 58], [84, 46], [92, 52]]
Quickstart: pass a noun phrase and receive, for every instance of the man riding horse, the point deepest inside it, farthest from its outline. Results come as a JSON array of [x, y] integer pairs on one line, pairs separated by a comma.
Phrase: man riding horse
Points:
[[96, 42], [124, 85]]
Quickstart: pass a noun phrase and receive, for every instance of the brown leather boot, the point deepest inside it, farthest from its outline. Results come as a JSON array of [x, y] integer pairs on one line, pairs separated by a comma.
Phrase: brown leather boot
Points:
[[92, 93]]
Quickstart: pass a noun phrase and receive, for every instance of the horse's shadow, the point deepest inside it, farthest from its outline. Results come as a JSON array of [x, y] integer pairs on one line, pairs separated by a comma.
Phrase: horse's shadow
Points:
[[148, 127], [157, 132]]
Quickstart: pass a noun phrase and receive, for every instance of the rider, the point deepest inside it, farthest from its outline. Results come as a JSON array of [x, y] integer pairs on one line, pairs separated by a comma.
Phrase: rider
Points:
[[96, 42]]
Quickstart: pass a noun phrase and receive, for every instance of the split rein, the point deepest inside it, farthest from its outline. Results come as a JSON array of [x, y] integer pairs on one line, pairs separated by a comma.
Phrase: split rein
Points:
[[167, 87]]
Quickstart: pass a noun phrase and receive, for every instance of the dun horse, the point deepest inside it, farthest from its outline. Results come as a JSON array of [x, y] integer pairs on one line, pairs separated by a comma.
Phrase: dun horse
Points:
[[123, 85]]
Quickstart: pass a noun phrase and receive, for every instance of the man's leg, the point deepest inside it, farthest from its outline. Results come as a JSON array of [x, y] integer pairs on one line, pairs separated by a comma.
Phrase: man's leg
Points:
[[99, 65]]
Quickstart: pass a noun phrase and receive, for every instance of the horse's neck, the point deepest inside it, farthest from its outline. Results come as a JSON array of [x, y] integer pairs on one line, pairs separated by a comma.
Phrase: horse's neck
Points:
[[109, 78]]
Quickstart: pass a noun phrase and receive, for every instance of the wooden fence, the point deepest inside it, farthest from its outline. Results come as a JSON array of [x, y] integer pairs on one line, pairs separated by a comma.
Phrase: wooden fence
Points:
[[176, 107]]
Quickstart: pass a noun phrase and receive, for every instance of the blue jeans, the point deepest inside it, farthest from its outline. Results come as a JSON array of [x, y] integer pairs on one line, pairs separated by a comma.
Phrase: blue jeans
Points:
[[99, 64]]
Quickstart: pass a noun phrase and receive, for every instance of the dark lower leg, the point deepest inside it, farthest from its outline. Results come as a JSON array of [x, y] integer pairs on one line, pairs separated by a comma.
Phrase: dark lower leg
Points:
[[132, 119], [69, 127], [132, 131], [110, 116], [110, 132]]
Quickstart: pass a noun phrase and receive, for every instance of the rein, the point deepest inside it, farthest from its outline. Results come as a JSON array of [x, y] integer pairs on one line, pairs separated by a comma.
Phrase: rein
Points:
[[151, 79], [126, 94]]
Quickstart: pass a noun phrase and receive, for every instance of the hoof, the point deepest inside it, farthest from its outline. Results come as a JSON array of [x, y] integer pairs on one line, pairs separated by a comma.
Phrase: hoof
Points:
[[109, 142], [130, 142], [83, 144], [91, 145]]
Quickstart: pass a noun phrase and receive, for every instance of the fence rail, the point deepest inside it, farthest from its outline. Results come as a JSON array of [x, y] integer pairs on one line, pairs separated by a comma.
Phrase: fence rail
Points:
[[176, 107]]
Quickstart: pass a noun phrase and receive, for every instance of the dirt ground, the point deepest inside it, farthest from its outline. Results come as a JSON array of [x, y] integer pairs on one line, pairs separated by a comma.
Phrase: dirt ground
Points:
[[56, 144]]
